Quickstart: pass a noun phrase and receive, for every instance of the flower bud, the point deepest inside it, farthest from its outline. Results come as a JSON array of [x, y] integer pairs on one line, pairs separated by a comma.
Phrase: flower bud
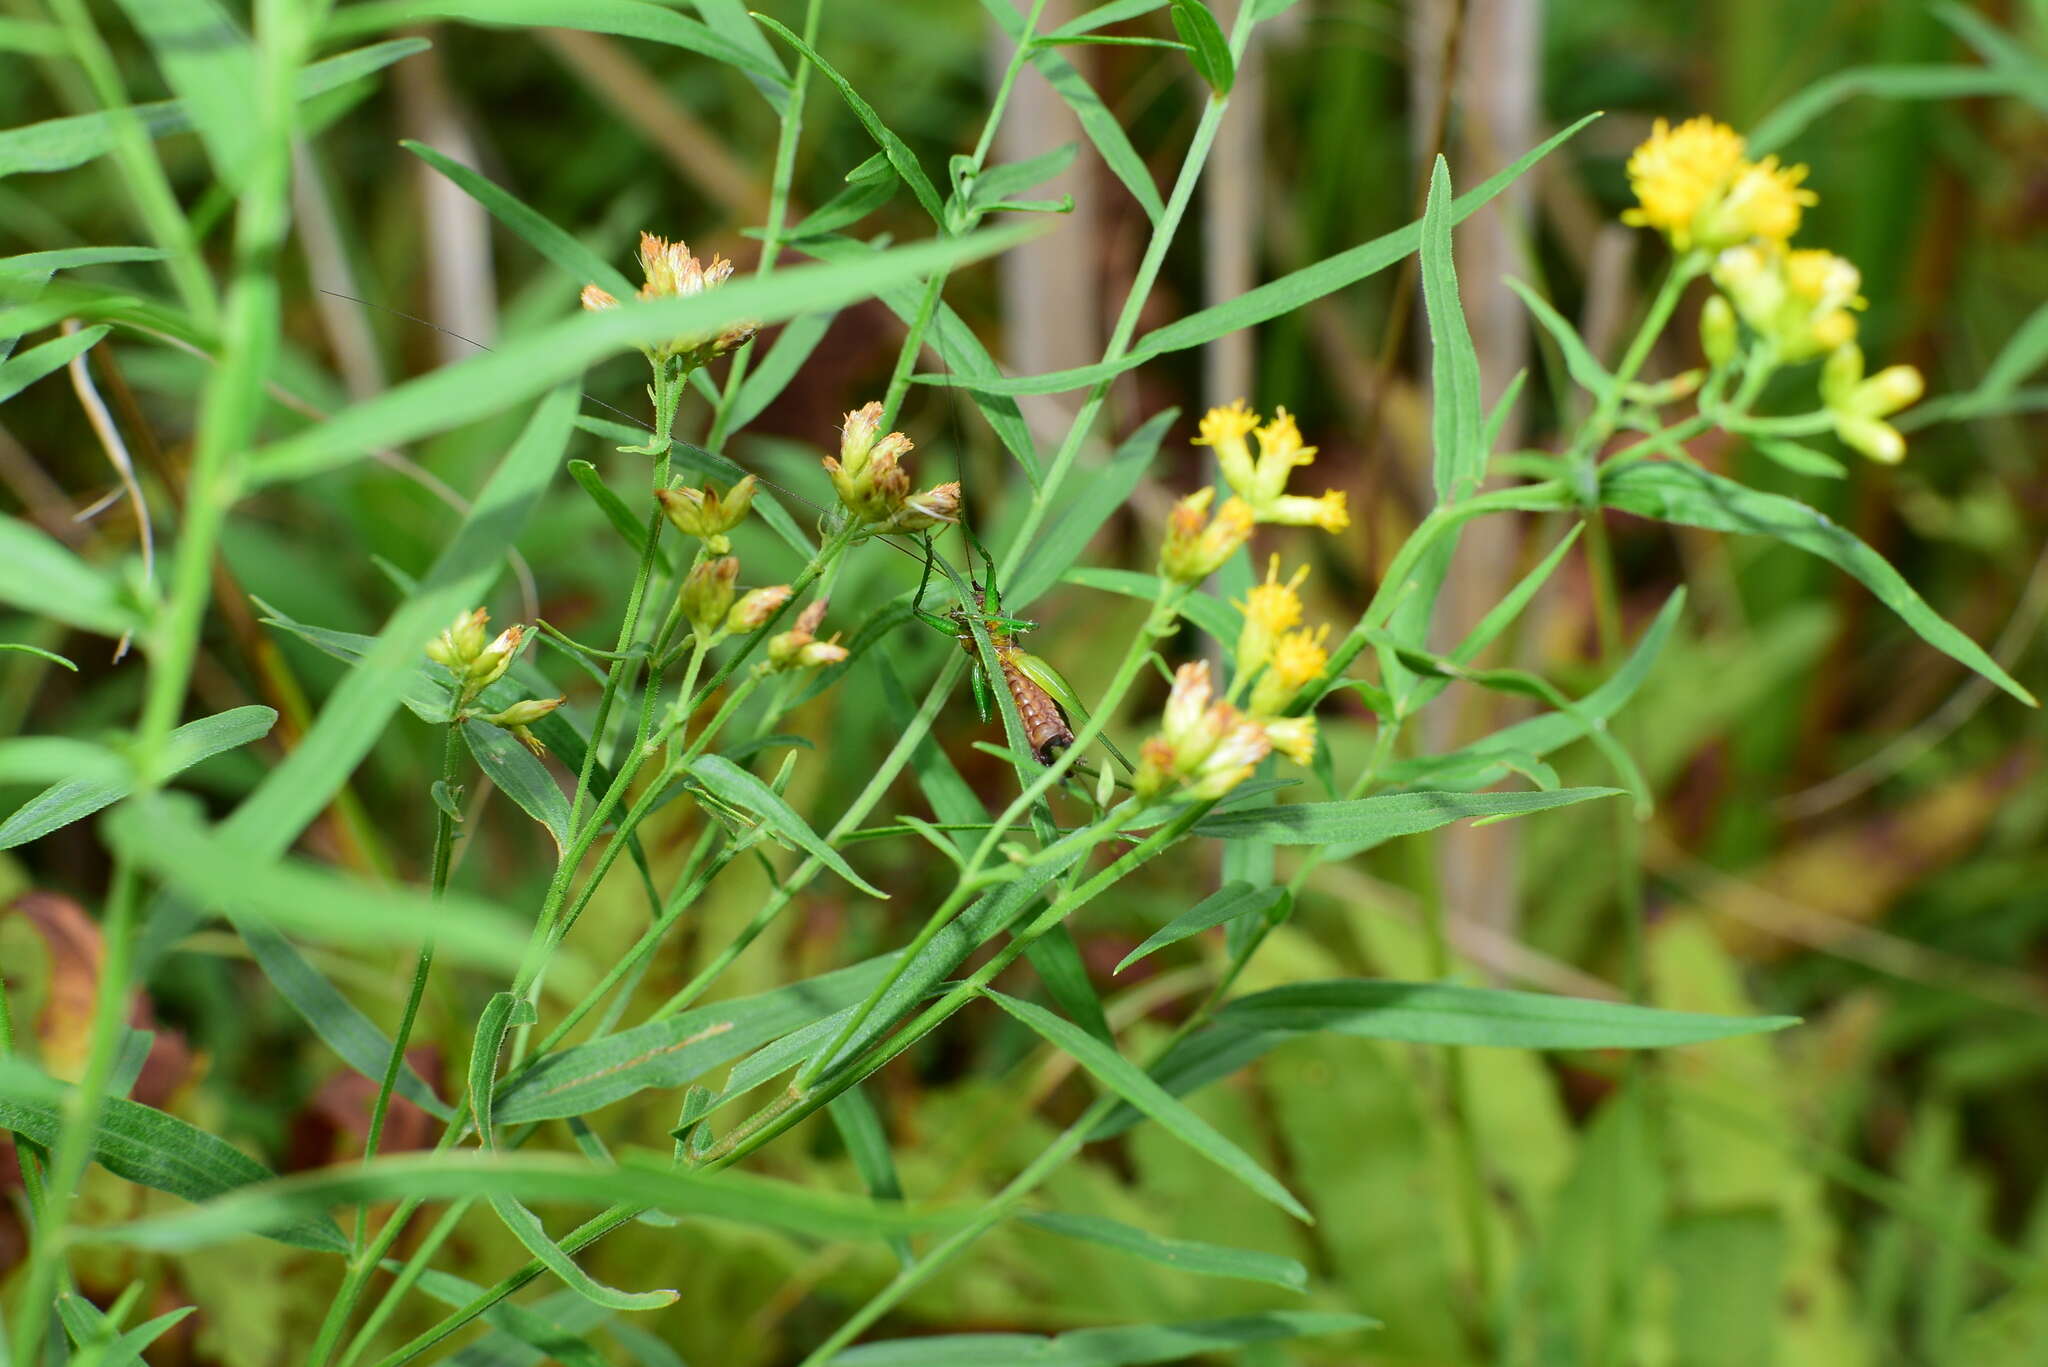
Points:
[[755, 607], [493, 660], [1196, 546], [937, 505], [597, 299], [525, 713], [1719, 335], [461, 642], [706, 595], [1294, 737], [857, 436], [704, 514], [869, 474]]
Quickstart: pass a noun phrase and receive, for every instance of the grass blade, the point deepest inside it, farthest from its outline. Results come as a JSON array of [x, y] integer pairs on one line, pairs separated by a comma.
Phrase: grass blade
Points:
[[1129, 1081], [1446, 1013], [19, 372], [1206, 1260]]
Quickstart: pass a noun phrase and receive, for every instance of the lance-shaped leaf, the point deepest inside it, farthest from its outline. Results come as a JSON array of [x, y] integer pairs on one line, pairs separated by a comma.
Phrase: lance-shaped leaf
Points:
[[141, 1144], [736, 787], [1225, 904], [1130, 1082], [1693, 497], [1361, 823], [1456, 412], [40, 575], [1119, 1346], [527, 1228], [1187, 1255], [1448, 1013]]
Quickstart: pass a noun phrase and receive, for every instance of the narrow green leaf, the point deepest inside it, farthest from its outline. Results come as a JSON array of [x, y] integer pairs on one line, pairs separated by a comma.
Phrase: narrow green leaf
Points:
[[793, 346], [632, 529], [1447, 1013], [623, 18], [1270, 300], [1102, 16], [1364, 822], [579, 263], [1129, 1081], [1694, 497], [1011, 179], [1119, 1346], [898, 151], [1590, 375], [2025, 352], [79, 797], [867, 1144], [527, 1228], [1103, 492], [521, 776], [58, 144], [141, 1144], [503, 1011], [1211, 614], [674, 1052], [1105, 133], [23, 648], [489, 382], [1225, 904], [729, 20], [108, 1348], [214, 868], [549, 1327], [19, 372], [1207, 1260], [1930, 82], [33, 37], [859, 199], [1456, 414], [733, 785], [1801, 460], [640, 1180], [1209, 49], [210, 66]]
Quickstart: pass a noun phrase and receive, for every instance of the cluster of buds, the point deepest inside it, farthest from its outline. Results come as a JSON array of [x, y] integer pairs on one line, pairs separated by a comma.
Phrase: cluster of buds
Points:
[[715, 609], [1859, 406], [875, 487], [1197, 544], [707, 514], [478, 663], [800, 648], [1206, 746], [1695, 184], [671, 272], [1799, 301]]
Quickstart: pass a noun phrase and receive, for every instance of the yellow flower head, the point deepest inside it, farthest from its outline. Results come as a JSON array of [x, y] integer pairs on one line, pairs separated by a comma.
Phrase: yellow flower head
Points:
[[1799, 300], [1693, 184], [1269, 609], [1765, 201], [1330, 511], [1294, 737], [1224, 430], [1280, 450], [1298, 657], [1680, 174]]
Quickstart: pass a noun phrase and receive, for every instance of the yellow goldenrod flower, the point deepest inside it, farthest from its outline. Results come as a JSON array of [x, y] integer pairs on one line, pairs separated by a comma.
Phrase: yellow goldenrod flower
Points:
[[1262, 482], [1196, 546], [1299, 656], [1294, 737], [936, 505], [1205, 747], [869, 473], [1693, 184], [1858, 406], [671, 272], [597, 299], [1269, 609], [1799, 301]]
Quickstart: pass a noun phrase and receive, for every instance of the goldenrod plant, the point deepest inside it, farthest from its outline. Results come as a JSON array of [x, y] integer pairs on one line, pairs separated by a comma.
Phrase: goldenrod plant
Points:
[[682, 971]]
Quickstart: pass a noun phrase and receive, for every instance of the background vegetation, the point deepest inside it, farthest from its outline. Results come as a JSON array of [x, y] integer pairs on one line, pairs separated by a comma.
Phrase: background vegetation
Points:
[[1849, 827]]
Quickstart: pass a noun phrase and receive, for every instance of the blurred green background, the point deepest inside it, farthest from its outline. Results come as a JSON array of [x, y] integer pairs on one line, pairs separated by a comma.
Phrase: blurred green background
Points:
[[1849, 827]]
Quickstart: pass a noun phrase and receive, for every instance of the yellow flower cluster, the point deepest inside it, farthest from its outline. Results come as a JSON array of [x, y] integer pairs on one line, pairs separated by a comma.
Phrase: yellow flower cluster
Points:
[[1694, 184], [672, 272], [871, 481], [1197, 546]]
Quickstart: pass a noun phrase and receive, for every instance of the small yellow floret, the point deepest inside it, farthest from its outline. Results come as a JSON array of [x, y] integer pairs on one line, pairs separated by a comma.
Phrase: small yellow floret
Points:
[[1678, 174]]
